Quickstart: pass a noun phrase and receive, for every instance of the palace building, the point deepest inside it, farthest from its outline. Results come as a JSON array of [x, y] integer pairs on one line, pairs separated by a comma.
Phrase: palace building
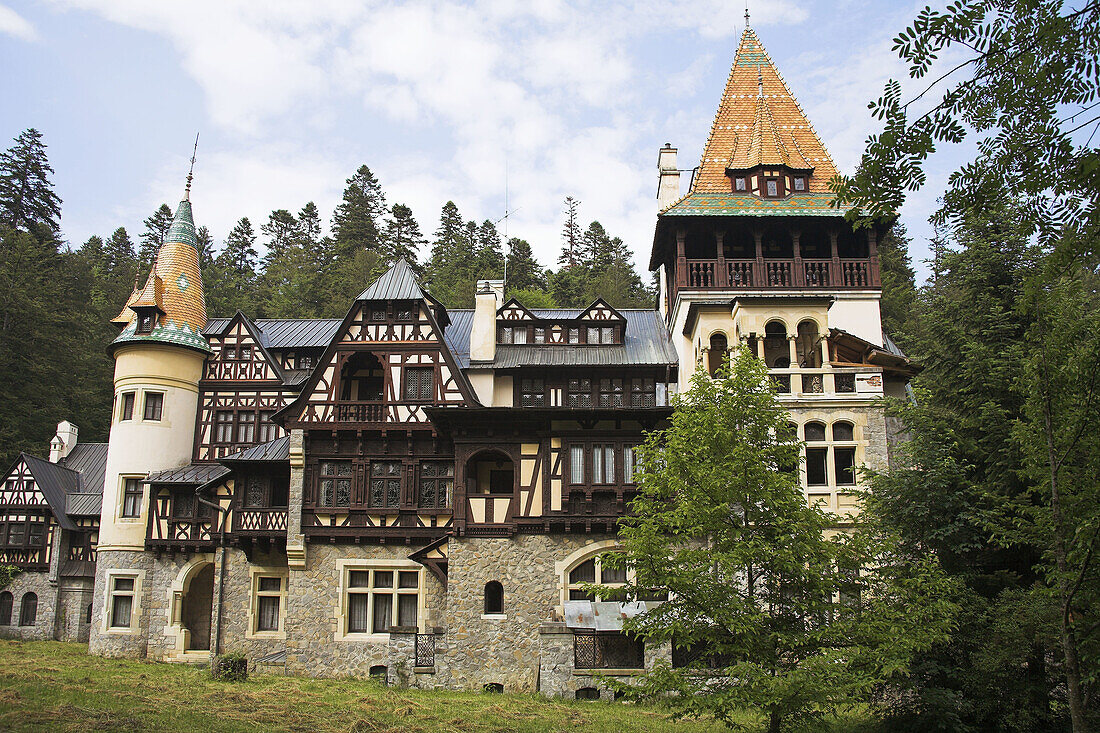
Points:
[[418, 493]]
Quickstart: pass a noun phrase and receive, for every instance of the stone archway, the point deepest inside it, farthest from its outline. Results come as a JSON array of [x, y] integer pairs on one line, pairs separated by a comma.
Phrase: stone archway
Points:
[[197, 604]]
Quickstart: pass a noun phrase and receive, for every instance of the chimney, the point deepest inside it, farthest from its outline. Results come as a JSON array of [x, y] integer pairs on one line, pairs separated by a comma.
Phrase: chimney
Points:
[[668, 190], [483, 335], [64, 442]]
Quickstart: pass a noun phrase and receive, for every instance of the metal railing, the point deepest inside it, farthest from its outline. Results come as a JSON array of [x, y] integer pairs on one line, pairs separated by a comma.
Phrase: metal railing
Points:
[[425, 650], [607, 650]]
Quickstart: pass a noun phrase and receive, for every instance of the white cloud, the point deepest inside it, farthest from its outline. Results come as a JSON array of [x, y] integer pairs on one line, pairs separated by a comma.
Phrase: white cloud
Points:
[[15, 25]]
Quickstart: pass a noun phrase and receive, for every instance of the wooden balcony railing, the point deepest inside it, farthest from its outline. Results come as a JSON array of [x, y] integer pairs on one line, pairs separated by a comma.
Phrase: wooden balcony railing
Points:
[[259, 521], [360, 412], [170, 527], [779, 273], [24, 558]]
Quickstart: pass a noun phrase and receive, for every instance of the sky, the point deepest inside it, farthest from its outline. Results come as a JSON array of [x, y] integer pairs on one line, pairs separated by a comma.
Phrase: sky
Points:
[[483, 103]]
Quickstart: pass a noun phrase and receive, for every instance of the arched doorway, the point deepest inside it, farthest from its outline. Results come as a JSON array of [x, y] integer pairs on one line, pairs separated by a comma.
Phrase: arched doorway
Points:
[[490, 472], [196, 606], [362, 378]]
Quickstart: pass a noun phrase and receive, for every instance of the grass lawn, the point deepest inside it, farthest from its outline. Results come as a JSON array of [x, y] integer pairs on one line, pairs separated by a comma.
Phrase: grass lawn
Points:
[[51, 686]]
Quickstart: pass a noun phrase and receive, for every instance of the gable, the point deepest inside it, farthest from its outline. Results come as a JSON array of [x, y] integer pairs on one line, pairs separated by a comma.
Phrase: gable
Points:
[[239, 355], [600, 311], [513, 310], [364, 377], [20, 490]]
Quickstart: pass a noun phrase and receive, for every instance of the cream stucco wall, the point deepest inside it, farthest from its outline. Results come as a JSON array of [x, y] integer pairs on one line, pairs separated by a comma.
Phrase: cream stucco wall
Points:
[[858, 314], [137, 446]]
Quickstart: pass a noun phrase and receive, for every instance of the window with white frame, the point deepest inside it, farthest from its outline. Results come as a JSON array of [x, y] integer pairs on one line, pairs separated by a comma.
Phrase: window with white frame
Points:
[[120, 601], [132, 492], [603, 464], [269, 591], [379, 598], [576, 464]]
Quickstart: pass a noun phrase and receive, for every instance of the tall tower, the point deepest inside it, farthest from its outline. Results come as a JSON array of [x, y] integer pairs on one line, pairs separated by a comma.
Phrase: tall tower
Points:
[[755, 254], [159, 357]]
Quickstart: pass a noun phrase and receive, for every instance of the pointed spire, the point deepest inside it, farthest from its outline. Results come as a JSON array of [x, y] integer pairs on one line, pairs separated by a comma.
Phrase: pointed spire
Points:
[[191, 170], [746, 14], [759, 122]]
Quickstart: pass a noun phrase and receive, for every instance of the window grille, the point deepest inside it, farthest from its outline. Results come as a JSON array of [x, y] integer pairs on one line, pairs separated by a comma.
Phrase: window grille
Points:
[[643, 392], [607, 650], [436, 484], [335, 484], [385, 484], [425, 650], [418, 383], [532, 392], [611, 392], [579, 393], [255, 494]]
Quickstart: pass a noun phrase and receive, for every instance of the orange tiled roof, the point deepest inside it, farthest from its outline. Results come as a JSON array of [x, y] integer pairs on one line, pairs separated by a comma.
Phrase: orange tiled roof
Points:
[[175, 286], [759, 122]]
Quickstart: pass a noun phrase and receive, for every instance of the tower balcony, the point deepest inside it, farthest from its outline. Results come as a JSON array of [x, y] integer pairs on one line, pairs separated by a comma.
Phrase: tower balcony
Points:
[[796, 272]]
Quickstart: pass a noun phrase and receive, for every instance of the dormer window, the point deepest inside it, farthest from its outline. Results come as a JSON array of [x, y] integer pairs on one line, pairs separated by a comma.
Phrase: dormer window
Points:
[[145, 323], [739, 183], [799, 183], [772, 187]]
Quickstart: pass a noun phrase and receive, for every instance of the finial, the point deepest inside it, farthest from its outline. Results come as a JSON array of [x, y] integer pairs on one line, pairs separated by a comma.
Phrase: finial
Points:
[[136, 280], [759, 82], [191, 170], [746, 14]]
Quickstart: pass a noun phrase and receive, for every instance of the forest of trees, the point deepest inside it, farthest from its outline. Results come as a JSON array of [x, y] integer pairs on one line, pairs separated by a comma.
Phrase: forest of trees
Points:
[[56, 298]]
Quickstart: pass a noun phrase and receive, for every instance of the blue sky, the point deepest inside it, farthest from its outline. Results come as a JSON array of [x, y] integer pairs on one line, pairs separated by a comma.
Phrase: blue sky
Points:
[[442, 100]]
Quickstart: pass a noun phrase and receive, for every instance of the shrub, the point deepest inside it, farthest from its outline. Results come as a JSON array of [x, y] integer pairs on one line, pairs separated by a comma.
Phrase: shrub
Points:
[[232, 667]]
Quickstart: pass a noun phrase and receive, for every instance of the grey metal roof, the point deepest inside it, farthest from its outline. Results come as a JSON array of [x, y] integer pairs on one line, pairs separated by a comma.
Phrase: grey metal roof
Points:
[[90, 461], [295, 377], [84, 504], [287, 333], [275, 450], [646, 343], [191, 474], [56, 483], [396, 283]]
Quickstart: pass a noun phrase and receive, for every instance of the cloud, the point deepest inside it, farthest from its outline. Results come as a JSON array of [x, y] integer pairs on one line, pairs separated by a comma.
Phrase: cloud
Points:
[[15, 25]]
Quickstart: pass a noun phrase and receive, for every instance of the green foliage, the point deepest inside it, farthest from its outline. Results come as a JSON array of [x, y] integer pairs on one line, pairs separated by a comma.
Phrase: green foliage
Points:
[[1020, 75], [27, 198], [899, 289], [156, 229], [7, 574], [789, 624], [532, 298], [231, 667]]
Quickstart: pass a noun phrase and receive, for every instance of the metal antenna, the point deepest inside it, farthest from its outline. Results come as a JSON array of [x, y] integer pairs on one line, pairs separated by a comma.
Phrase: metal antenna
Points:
[[191, 170]]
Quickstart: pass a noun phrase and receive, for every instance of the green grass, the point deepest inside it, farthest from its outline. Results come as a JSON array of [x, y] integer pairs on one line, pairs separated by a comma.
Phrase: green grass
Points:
[[51, 686]]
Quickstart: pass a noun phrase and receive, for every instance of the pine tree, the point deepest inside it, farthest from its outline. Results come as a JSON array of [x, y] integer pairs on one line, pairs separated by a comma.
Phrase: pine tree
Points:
[[204, 243], [450, 269], [156, 228], [401, 237], [232, 279], [356, 222], [27, 198], [899, 289], [570, 235], [524, 271]]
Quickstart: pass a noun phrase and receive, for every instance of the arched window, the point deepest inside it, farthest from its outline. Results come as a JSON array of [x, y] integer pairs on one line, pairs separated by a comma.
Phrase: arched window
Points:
[[843, 431], [808, 349], [28, 609], [777, 351], [492, 687], [494, 597], [591, 571], [88, 614], [816, 457], [815, 432], [6, 601], [719, 353]]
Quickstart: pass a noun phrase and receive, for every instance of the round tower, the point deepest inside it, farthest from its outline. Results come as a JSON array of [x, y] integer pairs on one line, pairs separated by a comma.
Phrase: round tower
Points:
[[159, 357]]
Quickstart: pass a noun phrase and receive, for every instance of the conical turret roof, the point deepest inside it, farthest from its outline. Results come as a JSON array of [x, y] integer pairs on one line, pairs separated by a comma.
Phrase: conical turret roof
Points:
[[174, 287], [758, 122]]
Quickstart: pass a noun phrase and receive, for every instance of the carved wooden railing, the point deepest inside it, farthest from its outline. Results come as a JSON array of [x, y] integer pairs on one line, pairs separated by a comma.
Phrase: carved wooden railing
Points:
[[359, 411], [25, 558], [260, 520], [779, 273]]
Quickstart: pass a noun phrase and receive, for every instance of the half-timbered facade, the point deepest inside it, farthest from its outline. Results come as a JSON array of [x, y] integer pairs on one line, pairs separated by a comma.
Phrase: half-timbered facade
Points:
[[49, 530], [421, 493]]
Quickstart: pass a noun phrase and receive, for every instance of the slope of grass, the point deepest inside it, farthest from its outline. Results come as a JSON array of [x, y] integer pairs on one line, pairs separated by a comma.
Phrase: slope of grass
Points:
[[58, 687]]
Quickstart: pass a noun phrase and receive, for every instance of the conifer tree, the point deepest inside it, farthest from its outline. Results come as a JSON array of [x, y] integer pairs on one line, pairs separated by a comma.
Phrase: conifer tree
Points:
[[156, 228], [204, 243], [450, 269], [356, 222], [232, 282], [524, 271], [570, 235], [401, 237], [27, 198], [899, 290]]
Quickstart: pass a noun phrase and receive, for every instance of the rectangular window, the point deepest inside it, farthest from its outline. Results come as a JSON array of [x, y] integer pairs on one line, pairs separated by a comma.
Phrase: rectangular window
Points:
[[505, 335], [579, 394], [183, 503], [269, 598], [519, 335], [122, 602], [611, 392], [739, 184], [844, 463], [246, 427], [418, 383], [799, 183], [267, 430], [436, 484], [378, 314], [335, 484], [377, 600], [154, 403], [127, 406], [815, 466], [244, 353], [223, 426], [532, 392], [131, 497], [385, 484], [603, 464], [773, 187], [628, 464], [255, 491], [574, 335], [16, 534], [576, 464], [593, 335], [643, 392], [540, 335], [229, 353]]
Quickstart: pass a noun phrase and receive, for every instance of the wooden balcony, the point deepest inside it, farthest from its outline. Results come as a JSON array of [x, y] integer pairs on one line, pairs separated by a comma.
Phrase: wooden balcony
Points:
[[25, 558], [177, 523], [757, 274], [260, 521]]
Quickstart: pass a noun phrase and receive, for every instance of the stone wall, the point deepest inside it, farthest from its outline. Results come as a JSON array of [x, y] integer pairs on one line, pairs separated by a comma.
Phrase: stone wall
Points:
[[311, 625], [74, 595], [46, 616], [133, 643], [559, 678]]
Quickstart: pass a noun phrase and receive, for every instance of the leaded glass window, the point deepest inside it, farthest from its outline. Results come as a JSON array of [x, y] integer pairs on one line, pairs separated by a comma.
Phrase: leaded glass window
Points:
[[436, 484], [385, 484], [611, 392], [254, 494], [580, 393], [335, 484]]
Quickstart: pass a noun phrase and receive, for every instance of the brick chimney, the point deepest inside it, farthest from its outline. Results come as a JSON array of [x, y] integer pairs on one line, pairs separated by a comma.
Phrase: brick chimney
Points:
[[668, 190], [483, 334], [64, 442]]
